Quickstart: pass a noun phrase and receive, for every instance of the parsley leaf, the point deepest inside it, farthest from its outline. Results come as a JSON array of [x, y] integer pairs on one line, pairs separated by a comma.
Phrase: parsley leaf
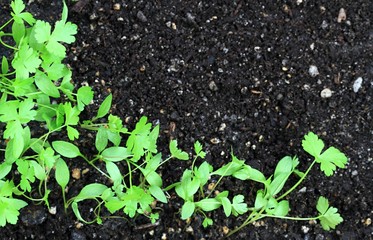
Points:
[[329, 215]]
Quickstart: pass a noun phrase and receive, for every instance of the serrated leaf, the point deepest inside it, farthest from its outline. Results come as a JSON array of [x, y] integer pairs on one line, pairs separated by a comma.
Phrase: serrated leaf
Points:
[[177, 153], [72, 133], [198, 150], [331, 158], [115, 154], [62, 173], [238, 205], [330, 217], [312, 144], [66, 149], [104, 107]]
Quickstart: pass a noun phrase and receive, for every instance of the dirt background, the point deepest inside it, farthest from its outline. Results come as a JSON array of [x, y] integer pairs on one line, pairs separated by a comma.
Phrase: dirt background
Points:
[[231, 73]]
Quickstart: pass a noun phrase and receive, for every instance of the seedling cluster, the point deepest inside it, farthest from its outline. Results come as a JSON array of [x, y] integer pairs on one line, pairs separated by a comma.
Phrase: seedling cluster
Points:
[[36, 87]]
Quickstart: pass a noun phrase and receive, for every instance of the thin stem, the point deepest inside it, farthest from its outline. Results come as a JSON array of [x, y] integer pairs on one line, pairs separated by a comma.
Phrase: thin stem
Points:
[[292, 218], [299, 182], [5, 24]]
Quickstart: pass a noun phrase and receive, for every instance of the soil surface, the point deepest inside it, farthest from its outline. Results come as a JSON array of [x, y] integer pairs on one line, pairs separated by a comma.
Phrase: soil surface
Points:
[[229, 73]]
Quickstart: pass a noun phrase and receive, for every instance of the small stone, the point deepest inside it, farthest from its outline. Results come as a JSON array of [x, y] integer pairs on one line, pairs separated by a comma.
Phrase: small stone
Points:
[[305, 229], [164, 236], [368, 221], [341, 15], [324, 24], [215, 140], [225, 230], [222, 127], [326, 93], [354, 173], [213, 86], [85, 171], [211, 186], [357, 84], [76, 173], [116, 6], [313, 71], [78, 225], [312, 46], [140, 15], [53, 210], [302, 190], [189, 229]]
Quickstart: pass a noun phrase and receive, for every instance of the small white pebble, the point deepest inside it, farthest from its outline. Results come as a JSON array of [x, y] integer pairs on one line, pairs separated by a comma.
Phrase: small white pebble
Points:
[[357, 84], [341, 15], [302, 190], [354, 173], [53, 210], [326, 93], [305, 229], [313, 71]]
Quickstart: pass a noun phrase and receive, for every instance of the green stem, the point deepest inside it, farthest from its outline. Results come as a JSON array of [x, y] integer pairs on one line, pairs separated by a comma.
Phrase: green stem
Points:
[[299, 182], [5, 24], [292, 218]]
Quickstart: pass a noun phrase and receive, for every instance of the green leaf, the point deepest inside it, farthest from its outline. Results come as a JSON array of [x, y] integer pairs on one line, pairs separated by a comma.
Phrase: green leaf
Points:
[[282, 208], [152, 177], [158, 193], [330, 217], [198, 150], [139, 140], [328, 160], [312, 144], [9, 210], [187, 210], [209, 204], [62, 173], [207, 222], [90, 191], [18, 6], [230, 168], [5, 169], [4, 65], [260, 201], [85, 96], [247, 172], [104, 107], [203, 173], [101, 139], [238, 205], [72, 133], [66, 149], [114, 173], [331, 158], [71, 114], [227, 206], [134, 197], [115, 154], [38, 170], [177, 153], [25, 61], [46, 85]]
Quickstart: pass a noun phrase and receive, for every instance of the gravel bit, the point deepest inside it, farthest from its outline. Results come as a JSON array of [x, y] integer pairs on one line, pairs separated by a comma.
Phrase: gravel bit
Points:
[[357, 84], [326, 93]]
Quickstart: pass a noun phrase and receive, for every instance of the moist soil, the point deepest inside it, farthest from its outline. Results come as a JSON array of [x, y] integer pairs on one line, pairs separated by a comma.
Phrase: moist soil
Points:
[[233, 74]]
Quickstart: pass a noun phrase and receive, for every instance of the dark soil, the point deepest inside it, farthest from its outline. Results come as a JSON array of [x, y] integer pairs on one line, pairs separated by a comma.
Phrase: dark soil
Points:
[[203, 65]]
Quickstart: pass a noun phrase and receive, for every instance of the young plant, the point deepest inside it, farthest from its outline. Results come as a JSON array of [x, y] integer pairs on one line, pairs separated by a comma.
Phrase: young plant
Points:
[[267, 202]]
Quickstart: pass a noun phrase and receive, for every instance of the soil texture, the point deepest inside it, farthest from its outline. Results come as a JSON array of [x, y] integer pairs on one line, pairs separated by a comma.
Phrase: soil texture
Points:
[[254, 76]]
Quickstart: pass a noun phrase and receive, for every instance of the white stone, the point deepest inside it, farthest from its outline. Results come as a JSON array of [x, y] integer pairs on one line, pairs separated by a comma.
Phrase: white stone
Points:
[[313, 71], [357, 84], [326, 93]]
